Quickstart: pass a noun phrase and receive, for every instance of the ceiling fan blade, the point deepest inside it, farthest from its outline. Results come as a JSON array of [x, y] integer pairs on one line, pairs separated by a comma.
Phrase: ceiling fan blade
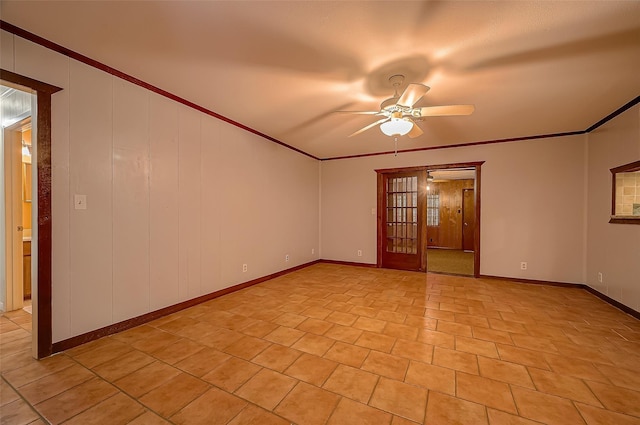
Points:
[[415, 131], [439, 111], [358, 112], [412, 94], [369, 126]]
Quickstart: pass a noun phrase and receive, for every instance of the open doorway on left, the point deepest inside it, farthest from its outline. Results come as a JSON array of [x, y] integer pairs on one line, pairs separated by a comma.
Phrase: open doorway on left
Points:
[[16, 212]]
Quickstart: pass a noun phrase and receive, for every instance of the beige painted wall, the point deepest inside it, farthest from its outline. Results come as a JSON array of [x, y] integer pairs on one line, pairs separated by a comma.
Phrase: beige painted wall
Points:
[[612, 249], [532, 206], [177, 200]]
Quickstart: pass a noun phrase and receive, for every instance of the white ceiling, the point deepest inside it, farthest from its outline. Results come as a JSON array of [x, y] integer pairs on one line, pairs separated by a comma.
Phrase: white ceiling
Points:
[[282, 67]]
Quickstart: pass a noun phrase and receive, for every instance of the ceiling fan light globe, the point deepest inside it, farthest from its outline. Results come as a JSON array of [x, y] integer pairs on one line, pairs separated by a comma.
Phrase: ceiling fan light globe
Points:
[[396, 127]]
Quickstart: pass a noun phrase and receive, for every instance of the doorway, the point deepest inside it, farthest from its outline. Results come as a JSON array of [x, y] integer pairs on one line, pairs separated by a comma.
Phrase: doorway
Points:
[[40, 98], [435, 226]]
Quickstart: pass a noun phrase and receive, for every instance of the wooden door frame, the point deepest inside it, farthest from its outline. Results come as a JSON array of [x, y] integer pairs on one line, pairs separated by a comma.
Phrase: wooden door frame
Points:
[[477, 165], [463, 215], [42, 299]]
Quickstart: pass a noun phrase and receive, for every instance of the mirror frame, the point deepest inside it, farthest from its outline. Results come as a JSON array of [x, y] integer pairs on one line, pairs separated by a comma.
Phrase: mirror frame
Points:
[[631, 167]]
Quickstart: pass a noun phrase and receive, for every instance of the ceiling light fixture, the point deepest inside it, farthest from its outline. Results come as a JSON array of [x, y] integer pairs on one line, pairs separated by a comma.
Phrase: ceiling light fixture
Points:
[[396, 126]]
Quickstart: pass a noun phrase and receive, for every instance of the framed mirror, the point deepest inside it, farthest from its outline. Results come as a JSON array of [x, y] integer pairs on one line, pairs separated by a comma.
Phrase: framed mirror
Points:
[[625, 194]]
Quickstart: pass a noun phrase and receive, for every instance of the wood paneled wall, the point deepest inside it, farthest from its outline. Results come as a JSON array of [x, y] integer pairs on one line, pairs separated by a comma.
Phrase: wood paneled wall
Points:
[[449, 233]]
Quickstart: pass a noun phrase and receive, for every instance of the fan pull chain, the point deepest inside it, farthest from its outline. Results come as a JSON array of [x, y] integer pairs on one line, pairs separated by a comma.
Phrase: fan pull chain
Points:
[[396, 145]]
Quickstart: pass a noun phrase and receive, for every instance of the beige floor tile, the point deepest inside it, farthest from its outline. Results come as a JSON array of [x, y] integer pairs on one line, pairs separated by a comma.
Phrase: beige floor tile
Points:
[[231, 374], [352, 412], [534, 343], [108, 351], [386, 365], [401, 331], [284, 336], [457, 360], [485, 391], [202, 362], [413, 350], [266, 388], [348, 354], [621, 377], [148, 418], [431, 377], [290, 320], [571, 366], [453, 328], [421, 322], [364, 311], [370, 324], [220, 338], [75, 400], [545, 408], [596, 416], [259, 328], [438, 339], [400, 399], [315, 326], [502, 325], [505, 371], [344, 333], [146, 379], [492, 335], [397, 420], [312, 369], [177, 351], [444, 409], [476, 346], [563, 386], [352, 383], [7, 394], [116, 410], [308, 405], [277, 357], [155, 342], [115, 369], [376, 341], [247, 347], [200, 411], [17, 413], [33, 369], [55, 383], [313, 344], [251, 415], [174, 394], [341, 318], [618, 399], [496, 417], [522, 356]]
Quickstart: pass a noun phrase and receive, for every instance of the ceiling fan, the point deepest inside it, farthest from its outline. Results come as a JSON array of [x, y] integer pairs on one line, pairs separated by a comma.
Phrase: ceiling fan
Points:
[[400, 115]]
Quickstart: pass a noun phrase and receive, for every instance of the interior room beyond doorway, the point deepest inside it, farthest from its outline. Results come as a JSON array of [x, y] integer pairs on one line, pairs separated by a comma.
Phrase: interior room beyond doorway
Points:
[[451, 225]]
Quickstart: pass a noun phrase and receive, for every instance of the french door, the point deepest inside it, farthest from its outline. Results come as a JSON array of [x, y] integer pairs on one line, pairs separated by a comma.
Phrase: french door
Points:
[[401, 219]]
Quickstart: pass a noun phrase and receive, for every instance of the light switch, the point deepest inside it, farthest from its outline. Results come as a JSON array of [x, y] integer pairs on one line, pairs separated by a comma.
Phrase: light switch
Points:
[[80, 202]]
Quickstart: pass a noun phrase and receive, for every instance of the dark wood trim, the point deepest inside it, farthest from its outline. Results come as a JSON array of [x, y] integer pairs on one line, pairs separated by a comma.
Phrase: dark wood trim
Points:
[[624, 220], [380, 217], [532, 281], [587, 288], [613, 302], [614, 114], [430, 167], [476, 242], [460, 145], [631, 167], [348, 263], [43, 149], [148, 317], [106, 68]]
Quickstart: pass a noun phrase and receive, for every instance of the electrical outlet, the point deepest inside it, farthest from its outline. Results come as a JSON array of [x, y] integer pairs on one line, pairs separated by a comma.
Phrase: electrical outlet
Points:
[[600, 277], [244, 268], [523, 265], [359, 253], [286, 257]]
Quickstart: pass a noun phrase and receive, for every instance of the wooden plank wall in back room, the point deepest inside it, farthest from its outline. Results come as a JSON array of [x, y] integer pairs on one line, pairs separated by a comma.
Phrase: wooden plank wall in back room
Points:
[[448, 234]]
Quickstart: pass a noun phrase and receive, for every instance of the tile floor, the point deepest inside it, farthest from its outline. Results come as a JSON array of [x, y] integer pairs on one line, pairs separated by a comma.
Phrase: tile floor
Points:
[[334, 344]]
